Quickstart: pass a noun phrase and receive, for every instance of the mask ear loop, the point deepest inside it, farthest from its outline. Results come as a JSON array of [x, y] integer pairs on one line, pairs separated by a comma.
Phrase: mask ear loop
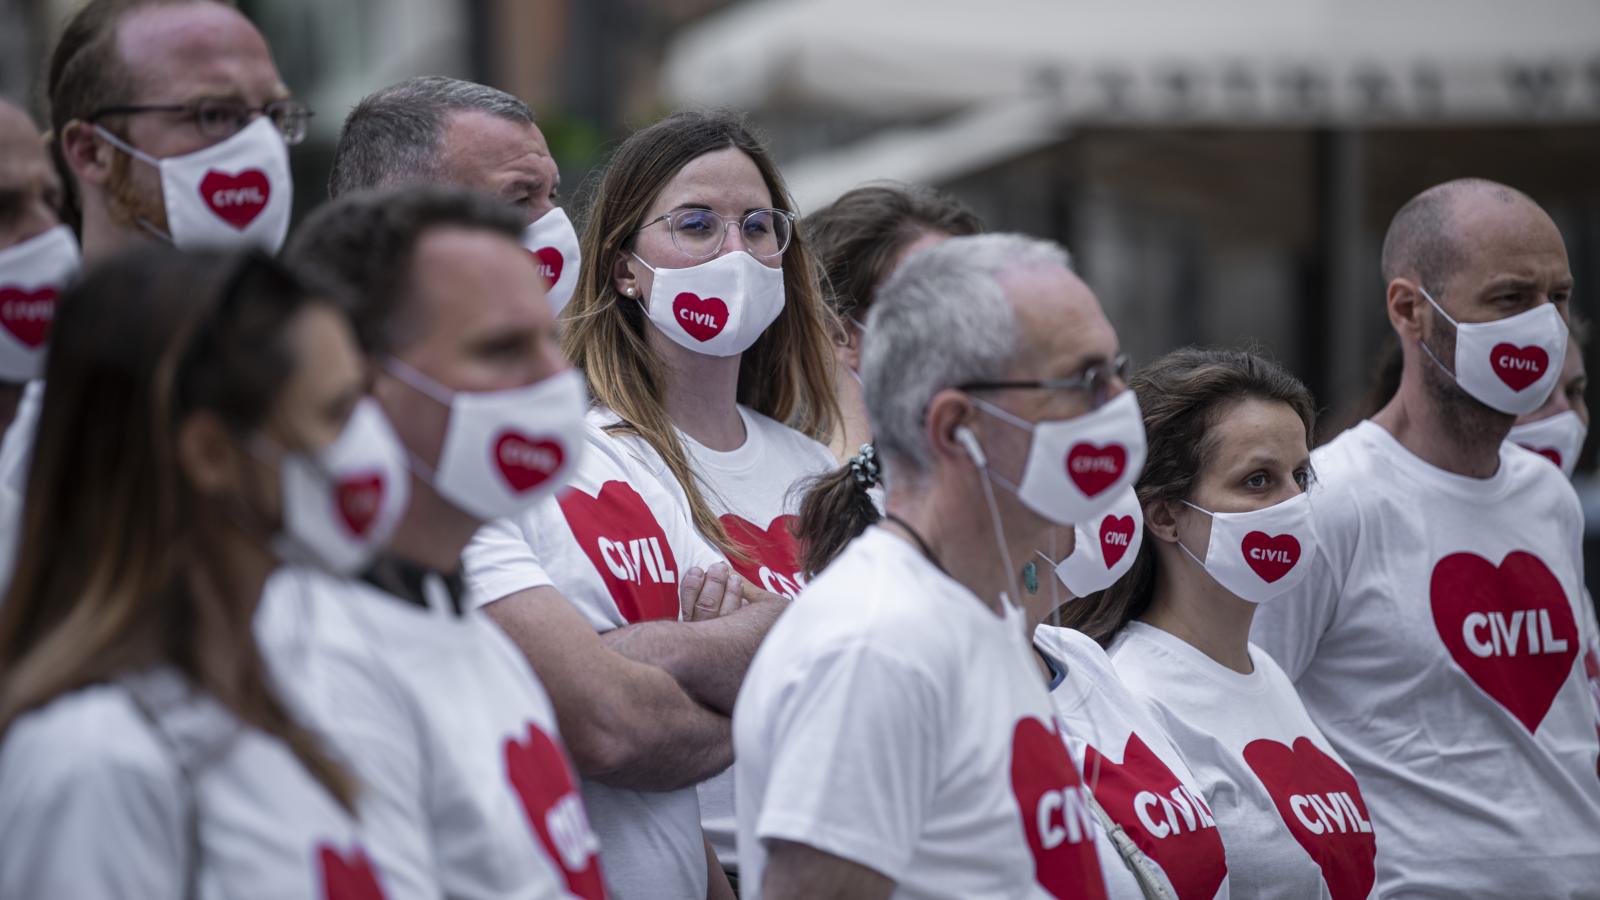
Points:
[[148, 160]]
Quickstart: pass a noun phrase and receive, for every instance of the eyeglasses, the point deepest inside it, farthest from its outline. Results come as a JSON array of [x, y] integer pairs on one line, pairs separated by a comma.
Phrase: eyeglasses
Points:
[[219, 119], [1095, 381], [700, 233]]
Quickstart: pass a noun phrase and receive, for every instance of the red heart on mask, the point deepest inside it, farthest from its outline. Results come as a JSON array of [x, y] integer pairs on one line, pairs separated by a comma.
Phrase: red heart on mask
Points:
[[525, 462], [1549, 453], [1509, 627], [550, 262], [1321, 803], [347, 877], [1116, 536], [1271, 556], [774, 553], [1056, 816], [28, 314], [359, 498], [1172, 824], [1093, 469], [236, 199], [702, 318], [1517, 366], [628, 549], [540, 774]]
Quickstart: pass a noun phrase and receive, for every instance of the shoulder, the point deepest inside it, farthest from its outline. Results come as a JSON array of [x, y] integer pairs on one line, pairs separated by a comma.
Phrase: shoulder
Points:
[[1076, 649], [62, 748], [1539, 484]]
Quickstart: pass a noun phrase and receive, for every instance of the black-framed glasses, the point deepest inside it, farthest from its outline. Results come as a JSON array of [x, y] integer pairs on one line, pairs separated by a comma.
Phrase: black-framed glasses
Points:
[[700, 233], [221, 118], [1094, 382]]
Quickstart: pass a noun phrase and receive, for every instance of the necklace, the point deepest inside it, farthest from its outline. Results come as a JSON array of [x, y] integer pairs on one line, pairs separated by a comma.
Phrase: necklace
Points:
[[921, 544]]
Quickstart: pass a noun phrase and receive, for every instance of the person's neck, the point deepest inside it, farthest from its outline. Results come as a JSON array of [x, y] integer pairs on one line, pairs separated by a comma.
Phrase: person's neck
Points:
[[1194, 608], [246, 563], [433, 531], [854, 429], [1462, 437], [954, 519], [102, 238], [700, 394]]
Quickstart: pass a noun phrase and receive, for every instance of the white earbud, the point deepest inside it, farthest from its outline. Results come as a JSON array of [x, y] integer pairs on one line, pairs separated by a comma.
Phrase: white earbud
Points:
[[969, 442]]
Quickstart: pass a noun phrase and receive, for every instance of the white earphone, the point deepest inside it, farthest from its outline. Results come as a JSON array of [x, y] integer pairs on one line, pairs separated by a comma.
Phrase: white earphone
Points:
[[969, 442]]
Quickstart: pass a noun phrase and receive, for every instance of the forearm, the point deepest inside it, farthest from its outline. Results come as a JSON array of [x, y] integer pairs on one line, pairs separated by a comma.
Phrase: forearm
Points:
[[665, 740], [708, 659]]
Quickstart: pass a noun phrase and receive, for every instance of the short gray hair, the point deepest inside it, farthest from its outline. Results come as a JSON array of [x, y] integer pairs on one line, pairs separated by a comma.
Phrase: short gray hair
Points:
[[393, 136], [942, 319]]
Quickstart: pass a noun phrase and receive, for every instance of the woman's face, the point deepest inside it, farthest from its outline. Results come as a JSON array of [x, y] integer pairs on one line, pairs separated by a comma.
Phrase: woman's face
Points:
[[1254, 456], [328, 379]]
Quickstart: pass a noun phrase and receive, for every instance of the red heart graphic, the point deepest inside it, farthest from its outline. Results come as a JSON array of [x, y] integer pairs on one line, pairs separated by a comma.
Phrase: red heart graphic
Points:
[[1056, 816], [1591, 668], [347, 877], [542, 777], [1321, 803], [1517, 366], [1510, 628], [703, 319], [550, 263], [28, 314], [1549, 453], [1271, 557], [775, 554], [359, 499], [1116, 536], [525, 462], [236, 199], [1093, 469], [627, 547], [1170, 823]]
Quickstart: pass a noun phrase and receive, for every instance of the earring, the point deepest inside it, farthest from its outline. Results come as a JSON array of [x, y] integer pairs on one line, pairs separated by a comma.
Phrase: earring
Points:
[[628, 291]]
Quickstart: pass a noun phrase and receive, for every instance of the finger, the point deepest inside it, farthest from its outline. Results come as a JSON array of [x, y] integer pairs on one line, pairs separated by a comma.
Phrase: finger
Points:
[[689, 590], [733, 595], [708, 603]]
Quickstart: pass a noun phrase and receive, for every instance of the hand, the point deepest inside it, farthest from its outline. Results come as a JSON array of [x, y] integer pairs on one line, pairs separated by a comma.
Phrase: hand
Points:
[[708, 594]]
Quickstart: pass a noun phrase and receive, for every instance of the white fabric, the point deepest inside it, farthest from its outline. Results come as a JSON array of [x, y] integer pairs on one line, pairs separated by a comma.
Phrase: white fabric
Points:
[[1104, 548], [719, 307], [1260, 554], [894, 720], [1292, 818], [615, 544], [1510, 364], [1558, 438], [464, 781], [553, 244], [1478, 757], [1136, 773], [33, 274], [1591, 661], [755, 491], [16, 448], [95, 805]]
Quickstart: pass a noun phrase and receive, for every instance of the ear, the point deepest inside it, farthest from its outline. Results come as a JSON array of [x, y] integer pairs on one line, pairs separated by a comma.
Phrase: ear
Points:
[[1405, 303], [208, 455], [623, 279], [1161, 520], [849, 351], [88, 155], [949, 413]]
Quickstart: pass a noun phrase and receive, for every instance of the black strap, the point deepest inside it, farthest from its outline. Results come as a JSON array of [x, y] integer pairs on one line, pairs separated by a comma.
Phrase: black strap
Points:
[[915, 536], [407, 580]]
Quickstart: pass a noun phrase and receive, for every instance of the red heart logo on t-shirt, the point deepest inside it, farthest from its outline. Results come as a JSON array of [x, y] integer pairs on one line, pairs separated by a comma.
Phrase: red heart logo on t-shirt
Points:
[[1549, 453], [774, 553], [1510, 628], [1093, 469], [1116, 536], [542, 777], [1172, 824], [550, 262], [1321, 803], [28, 314], [1270, 556], [1056, 816], [628, 549], [1517, 366], [526, 462], [359, 498], [347, 877], [236, 199], [702, 318]]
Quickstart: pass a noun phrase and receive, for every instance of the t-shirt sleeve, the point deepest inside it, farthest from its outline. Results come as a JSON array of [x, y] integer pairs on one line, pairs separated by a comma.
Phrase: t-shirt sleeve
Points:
[[855, 745], [500, 562], [1290, 627]]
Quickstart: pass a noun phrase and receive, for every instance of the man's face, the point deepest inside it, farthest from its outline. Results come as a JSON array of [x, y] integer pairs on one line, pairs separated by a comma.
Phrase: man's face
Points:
[[506, 160], [30, 193], [478, 321], [178, 55]]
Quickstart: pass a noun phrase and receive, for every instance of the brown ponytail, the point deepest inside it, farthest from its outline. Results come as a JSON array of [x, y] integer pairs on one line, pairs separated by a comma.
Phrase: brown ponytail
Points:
[[837, 508]]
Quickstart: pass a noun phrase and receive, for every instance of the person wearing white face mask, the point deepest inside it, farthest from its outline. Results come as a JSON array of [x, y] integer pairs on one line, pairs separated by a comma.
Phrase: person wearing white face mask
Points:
[[1436, 639], [467, 789], [438, 130], [171, 123]]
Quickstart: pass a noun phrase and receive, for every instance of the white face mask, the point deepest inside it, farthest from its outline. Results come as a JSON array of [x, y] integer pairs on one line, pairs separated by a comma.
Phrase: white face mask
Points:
[[342, 503], [719, 307], [32, 275], [235, 193], [1104, 549], [504, 450], [553, 243], [1260, 554], [1077, 468], [1510, 364], [1558, 438]]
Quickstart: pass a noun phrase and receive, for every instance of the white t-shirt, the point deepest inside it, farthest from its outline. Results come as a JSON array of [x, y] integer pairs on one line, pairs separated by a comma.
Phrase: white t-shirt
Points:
[[894, 720], [615, 544], [465, 783], [1292, 818], [1591, 662], [1136, 773], [95, 802], [1436, 643], [16, 448], [755, 491]]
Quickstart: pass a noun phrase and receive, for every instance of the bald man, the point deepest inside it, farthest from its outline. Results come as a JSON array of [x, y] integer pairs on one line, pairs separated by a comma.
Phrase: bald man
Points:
[[1436, 641]]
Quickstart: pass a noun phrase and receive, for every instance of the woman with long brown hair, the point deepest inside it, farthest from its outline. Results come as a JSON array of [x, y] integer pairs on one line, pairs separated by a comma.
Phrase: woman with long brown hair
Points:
[[143, 749]]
